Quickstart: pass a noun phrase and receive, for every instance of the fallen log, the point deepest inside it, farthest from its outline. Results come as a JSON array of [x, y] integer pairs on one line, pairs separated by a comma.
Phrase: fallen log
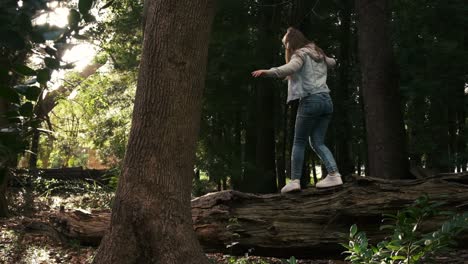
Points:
[[310, 223]]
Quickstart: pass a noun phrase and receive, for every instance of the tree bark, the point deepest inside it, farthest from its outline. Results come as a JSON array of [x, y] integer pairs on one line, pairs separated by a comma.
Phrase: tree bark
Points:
[[34, 150], [342, 125], [265, 151], [307, 224], [151, 213], [380, 83], [3, 189], [314, 222], [438, 156], [4, 162]]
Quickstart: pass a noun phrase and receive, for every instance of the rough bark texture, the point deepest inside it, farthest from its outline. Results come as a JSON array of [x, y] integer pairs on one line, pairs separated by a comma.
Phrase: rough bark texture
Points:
[[151, 214], [306, 224], [265, 151], [4, 157], [342, 122], [3, 189], [313, 222], [380, 84]]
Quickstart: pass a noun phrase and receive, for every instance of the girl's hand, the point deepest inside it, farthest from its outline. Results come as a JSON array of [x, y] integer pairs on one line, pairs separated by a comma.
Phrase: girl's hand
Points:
[[258, 73]]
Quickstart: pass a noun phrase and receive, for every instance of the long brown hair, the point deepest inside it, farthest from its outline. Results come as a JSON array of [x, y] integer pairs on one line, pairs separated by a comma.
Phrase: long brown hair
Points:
[[294, 40]]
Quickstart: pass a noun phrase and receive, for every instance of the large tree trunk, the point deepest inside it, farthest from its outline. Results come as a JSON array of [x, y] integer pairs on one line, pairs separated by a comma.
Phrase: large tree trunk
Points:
[[265, 151], [4, 160], [260, 173], [151, 214], [314, 222], [3, 189], [307, 224], [380, 83], [342, 124]]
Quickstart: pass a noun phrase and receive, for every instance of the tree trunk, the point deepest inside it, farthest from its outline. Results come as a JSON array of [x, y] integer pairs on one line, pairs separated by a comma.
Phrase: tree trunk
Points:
[[265, 151], [342, 122], [314, 222], [438, 156], [151, 213], [34, 150], [307, 224], [249, 159], [4, 162], [265, 172], [3, 189], [384, 121], [281, 117]]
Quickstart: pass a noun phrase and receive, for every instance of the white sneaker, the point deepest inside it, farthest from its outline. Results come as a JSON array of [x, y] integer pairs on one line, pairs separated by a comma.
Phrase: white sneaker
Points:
[[330, 181], [294, 185]]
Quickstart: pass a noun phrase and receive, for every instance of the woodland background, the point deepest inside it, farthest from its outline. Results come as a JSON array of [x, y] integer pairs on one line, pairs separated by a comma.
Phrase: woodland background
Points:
[[82, 118]]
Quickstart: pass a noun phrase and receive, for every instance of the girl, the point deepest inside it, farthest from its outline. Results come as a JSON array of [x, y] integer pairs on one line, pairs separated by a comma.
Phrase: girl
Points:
[[306, 70]]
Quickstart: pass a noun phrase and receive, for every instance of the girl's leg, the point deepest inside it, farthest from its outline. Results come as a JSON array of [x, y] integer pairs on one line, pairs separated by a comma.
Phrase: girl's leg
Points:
[[303, 127], [304, 123], [317, 142]]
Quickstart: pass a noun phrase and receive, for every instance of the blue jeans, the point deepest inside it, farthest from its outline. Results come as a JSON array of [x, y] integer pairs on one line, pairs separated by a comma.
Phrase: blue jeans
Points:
[[313, 116]]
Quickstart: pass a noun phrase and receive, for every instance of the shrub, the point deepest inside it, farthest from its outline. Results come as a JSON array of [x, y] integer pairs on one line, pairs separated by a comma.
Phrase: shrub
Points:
[[407, 244]]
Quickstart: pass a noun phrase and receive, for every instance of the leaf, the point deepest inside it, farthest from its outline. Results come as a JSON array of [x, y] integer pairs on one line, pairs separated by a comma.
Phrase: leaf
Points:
[[387, 227], [84, 6], [88, 18], [37, 37], [52, 35], [24, 23], [33, 92], [21, 89], [74, 18], [51, 51], [81, 37], [9, 94], [292, 260], [352, 230], [23, 70], [52, 63], [12, 40], [46, 131], [26, 109], [43, 76], [106, 5], [4, 75]]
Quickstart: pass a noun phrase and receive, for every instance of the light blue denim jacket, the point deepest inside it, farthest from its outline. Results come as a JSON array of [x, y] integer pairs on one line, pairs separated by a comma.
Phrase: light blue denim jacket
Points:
[[307, 71]]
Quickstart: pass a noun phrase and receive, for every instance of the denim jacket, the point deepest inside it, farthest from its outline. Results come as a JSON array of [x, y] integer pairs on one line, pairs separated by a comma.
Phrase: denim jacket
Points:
[[307, 71]]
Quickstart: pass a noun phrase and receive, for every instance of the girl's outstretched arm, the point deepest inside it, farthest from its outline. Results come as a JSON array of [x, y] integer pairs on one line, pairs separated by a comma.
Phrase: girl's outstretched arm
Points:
[[287, 69]]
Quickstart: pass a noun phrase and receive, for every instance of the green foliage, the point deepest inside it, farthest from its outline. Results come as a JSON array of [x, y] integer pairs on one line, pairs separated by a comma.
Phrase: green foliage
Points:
[[18, 94], [407, 244], [201, 187], [429, 47], [292, 260], [231, 228], [98, 117], [84, 6], [245, 260], [121, 35]]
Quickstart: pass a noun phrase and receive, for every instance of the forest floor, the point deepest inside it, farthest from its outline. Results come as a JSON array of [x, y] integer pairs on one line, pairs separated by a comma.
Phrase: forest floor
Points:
[[19, 244]]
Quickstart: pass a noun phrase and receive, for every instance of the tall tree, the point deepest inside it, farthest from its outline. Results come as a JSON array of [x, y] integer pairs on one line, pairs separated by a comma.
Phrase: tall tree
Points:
[[151, 217], [4, 158], [343, 137], [268, 43], [384, 121]]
